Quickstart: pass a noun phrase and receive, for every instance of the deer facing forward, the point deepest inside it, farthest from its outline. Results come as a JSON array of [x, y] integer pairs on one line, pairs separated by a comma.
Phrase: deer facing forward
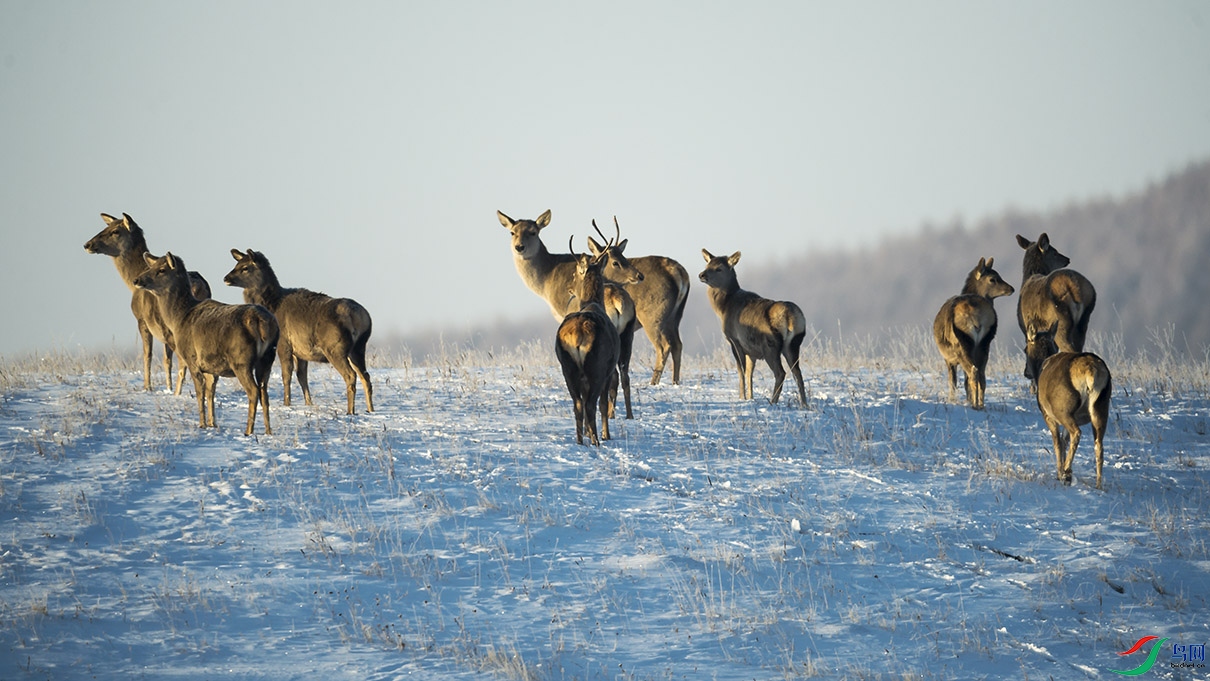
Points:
[[214, 339], [965, 326], [315, 327], [755, 327]]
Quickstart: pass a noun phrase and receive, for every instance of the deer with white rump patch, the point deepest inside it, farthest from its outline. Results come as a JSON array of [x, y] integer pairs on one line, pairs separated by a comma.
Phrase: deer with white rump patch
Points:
[[1052, 296], [659, 296], [123, 240], [965, 326], [755, 327], [586, 346], [315, 327], [1073, 390], [214, 339], [552, 276]]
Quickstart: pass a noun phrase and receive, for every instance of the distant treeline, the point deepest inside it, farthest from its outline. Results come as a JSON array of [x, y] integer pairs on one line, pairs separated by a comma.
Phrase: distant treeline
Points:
[[1148, 254]]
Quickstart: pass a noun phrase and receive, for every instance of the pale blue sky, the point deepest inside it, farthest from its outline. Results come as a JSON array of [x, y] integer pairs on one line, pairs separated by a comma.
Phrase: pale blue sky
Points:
[[365, 147]]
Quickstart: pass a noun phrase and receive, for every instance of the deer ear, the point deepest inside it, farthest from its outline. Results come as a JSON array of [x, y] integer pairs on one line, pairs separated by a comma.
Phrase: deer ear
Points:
[[171, 260], [505, 220], [594, 247], [149, 259], [543, 219], [706, 255], [980, 267], [1023, 242], [1043, 242], [622, 246], [109, 219], [989, 262], [734, 259], [236, 254]]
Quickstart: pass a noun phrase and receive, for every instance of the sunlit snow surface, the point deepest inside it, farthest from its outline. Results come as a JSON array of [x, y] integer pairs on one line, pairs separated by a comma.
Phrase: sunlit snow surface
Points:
[[459, 532]]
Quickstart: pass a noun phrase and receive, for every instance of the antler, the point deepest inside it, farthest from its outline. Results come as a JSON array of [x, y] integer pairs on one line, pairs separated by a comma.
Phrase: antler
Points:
[[570, 246], [608, 243], [617, 231]]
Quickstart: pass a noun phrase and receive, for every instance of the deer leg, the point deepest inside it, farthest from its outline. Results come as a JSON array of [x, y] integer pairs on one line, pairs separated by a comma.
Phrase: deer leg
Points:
[[300, 370], [1073, 438], [1099, 417], [1057, 437], [244, 376], [676, 347], [588, 406], [168, 366], [624, 352], [211, 389], [661, 354], [357, 359], [952, 370], [199, 387], [779, 376], [345, 368], [606, 404], [180, 377], [796, 370], [285, 357], [145, 334], [749, 365]]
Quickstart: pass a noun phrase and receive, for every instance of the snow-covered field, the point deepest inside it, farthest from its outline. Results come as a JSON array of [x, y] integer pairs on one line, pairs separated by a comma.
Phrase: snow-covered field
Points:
[[459, 532]]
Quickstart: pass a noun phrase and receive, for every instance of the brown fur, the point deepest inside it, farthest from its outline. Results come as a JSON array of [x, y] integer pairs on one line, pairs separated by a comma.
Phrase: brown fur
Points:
[[659, 304], [315, 327], [123, 240], [1052, 296], [587, 347], [755, 327], [965, 326], [214, 339], [1074, 390]]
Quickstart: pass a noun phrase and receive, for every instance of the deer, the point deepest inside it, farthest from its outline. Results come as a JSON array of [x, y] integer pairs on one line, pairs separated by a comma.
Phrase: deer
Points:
[[1051, 295], [659, 303], [660, 297], [552, 277], [315, 327], [587, 347], [214, 339], [123, 240], [755, 327], [965, 326], [1073, 390]]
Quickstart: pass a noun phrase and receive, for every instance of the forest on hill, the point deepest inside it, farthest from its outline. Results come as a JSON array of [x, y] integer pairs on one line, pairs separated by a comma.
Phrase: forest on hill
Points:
[[1147, 254]]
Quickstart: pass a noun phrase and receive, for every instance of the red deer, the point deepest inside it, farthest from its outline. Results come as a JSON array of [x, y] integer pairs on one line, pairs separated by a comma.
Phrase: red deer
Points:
[[755, 327], [214, 339], [314, 327], [586, 346], [552, 276], [965, 326], [660, 314], [123, 240], [1073, 390], [659, 299], [1053, 296]]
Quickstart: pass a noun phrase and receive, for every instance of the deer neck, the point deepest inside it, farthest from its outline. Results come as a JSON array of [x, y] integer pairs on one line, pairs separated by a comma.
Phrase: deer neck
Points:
[[721, 295], [536, 270], [130, 263], [176, 303], [267, 293], [972, 287], [592, 290]]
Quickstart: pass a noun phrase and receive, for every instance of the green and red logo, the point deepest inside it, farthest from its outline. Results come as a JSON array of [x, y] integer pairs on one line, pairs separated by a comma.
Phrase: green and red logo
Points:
[[1151, 656]]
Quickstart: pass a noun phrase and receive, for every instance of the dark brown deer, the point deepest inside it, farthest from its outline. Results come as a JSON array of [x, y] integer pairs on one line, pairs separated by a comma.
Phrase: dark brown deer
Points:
[[659, 299], [587, 346], [123, 240], [552, 277], [548, 275], [314, 327], [1073, 390], [755, 327], [214, 339], [1051, 295], [965, 326]]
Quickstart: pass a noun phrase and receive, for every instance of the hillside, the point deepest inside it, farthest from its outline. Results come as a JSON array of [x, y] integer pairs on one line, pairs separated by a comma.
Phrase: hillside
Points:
[[1139, 250]]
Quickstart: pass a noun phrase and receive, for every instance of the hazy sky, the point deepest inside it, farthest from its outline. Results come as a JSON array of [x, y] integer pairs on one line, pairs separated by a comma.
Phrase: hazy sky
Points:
[[365, 147]]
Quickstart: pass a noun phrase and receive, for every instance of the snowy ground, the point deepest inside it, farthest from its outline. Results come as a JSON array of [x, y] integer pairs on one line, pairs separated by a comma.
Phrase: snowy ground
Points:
[[458, 531]]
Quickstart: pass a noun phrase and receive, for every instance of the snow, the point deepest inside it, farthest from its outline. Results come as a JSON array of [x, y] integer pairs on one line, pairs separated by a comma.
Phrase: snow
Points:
[[459, 532]]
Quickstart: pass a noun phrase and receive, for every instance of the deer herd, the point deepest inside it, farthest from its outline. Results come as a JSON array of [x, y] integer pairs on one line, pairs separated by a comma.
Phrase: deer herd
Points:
[[601, 298]]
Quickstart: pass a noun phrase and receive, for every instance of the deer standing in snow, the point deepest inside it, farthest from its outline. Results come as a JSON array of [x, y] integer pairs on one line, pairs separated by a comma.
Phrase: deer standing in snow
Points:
[[214, 339], [965, 326], [586, 346], [1052, 296], [315, 327], [755, 327], [123, 240]]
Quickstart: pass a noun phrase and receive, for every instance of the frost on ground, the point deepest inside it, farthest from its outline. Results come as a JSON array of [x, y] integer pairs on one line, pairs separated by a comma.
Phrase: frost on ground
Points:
[[458, 532]]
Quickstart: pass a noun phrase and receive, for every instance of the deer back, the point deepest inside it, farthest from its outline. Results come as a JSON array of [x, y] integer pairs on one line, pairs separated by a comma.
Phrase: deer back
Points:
[[1071, 384]]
